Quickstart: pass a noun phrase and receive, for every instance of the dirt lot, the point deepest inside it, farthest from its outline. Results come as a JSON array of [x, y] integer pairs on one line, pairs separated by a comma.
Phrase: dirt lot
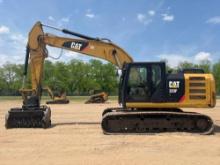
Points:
[[76, 138]]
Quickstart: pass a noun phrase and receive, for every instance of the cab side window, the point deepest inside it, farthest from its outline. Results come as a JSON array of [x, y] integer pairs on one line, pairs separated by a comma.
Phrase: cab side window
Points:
[[156, 76]]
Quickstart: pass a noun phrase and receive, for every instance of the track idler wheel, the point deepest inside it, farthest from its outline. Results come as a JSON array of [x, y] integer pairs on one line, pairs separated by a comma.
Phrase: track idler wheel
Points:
[[202, 124]]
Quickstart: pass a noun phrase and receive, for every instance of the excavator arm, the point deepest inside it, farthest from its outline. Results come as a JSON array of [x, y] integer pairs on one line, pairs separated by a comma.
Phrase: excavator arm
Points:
[[32, 114], [94, 47]]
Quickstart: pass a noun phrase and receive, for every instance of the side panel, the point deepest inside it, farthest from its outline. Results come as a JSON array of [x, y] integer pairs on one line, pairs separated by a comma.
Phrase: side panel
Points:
[[199, 91]]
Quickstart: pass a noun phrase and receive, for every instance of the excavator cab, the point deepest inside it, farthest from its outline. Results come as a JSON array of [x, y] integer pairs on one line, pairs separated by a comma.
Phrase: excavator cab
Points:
[[142, 82]]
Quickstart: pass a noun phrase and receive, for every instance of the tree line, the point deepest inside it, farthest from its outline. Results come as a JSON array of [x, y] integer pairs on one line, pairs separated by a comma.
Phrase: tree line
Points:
[[75, 77], [82, 78]]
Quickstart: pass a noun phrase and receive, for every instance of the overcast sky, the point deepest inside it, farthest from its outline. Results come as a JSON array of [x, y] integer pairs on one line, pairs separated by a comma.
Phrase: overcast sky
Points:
[[149, 30]]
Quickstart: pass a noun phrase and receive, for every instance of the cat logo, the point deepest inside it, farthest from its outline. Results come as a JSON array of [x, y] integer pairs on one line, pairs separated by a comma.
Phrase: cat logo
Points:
[[76, 45], [174, 84]]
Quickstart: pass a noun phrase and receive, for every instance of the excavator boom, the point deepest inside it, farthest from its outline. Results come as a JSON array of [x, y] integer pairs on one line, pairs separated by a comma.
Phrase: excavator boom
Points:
[[32, 112]]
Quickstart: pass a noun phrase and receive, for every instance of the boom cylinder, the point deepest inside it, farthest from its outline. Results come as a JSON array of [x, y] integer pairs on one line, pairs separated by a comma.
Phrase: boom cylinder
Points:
[[78, 34], [26, 61], [25, 65]]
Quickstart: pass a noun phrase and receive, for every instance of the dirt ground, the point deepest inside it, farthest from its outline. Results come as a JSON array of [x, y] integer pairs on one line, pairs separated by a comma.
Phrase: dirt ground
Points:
[[76, 138]]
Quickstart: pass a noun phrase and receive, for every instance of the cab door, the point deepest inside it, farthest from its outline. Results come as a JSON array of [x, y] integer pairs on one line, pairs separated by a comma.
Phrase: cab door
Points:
[[145, 82], [138, 84]]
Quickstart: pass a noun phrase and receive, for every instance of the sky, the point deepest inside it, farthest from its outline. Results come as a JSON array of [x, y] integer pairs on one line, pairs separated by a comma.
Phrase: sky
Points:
[[149, 30]]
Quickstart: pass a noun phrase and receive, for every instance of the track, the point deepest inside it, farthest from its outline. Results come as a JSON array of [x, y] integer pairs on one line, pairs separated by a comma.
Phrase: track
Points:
[[121, 121]]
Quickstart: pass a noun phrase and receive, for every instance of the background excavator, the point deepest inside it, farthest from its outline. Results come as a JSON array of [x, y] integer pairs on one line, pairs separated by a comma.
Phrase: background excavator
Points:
[[150, 97], [97, 97], [58, 96]]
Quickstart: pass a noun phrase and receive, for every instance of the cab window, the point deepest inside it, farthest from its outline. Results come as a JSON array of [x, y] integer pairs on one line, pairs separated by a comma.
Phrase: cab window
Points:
[[156, 76], [137, 89]]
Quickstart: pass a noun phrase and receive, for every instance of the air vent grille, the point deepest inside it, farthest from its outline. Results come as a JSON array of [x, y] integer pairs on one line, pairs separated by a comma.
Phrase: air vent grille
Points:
[[197, 88]]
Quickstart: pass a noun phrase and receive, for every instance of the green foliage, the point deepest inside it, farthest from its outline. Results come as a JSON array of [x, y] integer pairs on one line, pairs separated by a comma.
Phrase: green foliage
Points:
[[186, 65], [75, 77], [205, 65], [80, 78], [10, 79]]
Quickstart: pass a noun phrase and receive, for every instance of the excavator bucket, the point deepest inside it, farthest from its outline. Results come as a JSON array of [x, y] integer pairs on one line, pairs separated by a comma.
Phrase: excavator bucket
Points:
[[97, 98], [28, 118]]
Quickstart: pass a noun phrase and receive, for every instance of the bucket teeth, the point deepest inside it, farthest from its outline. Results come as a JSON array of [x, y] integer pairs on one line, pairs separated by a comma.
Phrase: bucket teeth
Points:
[[28, 118]]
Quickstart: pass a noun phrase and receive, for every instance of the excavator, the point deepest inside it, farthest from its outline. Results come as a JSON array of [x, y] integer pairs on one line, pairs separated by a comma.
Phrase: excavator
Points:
[[151, 98], [97, 97], [58, 97]]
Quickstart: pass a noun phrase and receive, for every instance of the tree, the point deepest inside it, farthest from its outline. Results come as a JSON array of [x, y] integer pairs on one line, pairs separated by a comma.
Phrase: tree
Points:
[[11, 79], [104, 75], [205, 65], [78, 81], [186, 65]]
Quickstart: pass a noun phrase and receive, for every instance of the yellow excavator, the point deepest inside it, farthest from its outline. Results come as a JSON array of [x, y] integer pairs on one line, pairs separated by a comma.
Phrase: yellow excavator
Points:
[[58, 97], [150, 97], [97, 97]]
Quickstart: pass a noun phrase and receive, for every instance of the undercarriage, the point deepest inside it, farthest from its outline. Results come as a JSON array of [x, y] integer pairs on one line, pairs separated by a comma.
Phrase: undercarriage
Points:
[[125, 121]]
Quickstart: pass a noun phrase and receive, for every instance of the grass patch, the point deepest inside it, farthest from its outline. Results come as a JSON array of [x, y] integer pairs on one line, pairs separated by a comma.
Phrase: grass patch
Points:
[[84, 98], [71, 98], [3, 98]]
